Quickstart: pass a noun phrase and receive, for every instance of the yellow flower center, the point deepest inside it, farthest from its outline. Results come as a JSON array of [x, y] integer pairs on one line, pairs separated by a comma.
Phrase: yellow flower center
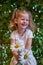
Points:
[[25, 56], [17, 46]]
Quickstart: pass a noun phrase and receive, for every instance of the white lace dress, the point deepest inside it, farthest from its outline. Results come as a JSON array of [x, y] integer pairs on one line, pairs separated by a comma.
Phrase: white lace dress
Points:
[[27, 34]]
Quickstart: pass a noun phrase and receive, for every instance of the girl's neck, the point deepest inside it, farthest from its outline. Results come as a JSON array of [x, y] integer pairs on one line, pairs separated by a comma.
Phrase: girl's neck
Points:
[[21, 31]]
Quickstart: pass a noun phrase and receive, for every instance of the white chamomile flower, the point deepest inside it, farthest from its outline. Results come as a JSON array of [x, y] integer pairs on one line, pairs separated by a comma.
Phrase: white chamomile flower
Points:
[[16, 46], [24, 57]]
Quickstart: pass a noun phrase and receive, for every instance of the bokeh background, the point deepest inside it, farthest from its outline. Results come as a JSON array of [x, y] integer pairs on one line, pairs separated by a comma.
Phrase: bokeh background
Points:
[[6, 8]]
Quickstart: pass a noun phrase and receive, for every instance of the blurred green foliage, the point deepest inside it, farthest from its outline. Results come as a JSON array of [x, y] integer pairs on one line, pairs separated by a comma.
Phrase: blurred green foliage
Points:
[[6, 8]]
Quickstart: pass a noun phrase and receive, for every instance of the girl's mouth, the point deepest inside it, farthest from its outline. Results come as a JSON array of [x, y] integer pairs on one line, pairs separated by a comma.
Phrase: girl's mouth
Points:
[[24, 24]]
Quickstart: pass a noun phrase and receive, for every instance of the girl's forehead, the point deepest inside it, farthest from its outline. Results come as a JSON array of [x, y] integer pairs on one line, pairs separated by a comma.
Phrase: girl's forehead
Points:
[[23, 14]]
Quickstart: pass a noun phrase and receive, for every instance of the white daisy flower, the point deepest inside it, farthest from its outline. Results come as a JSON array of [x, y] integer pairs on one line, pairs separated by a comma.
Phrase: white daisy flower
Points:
[[17, 46], [24, 57]]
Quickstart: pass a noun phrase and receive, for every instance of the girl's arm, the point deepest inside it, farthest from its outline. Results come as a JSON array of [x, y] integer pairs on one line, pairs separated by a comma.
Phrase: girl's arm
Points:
[[13, 52], [28, 44]]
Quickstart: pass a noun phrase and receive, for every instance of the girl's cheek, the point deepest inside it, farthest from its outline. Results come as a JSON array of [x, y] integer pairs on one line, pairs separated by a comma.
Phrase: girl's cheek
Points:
[[28, 22]]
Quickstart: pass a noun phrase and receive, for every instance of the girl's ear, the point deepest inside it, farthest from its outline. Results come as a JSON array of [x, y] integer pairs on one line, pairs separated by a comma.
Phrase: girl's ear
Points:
[[15, 24], [15, 21]]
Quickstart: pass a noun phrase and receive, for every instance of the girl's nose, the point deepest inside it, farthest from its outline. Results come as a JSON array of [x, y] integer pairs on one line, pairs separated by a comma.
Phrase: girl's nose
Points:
[[24, 21]]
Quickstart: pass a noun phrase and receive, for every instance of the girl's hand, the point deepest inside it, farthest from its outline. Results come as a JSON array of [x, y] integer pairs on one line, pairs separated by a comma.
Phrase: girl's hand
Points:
[[16, 55], [18, 58]]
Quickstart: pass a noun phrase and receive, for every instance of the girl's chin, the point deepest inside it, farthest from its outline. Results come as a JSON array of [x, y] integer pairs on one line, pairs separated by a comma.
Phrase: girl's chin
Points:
[[23, 27]]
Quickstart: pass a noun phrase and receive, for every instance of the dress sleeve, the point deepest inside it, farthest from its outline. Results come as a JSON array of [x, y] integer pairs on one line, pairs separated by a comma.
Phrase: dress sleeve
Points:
[[30, 34], [12, 36]]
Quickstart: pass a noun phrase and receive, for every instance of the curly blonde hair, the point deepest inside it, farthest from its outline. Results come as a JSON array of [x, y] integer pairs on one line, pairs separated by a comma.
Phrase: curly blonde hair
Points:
[[13, 25]]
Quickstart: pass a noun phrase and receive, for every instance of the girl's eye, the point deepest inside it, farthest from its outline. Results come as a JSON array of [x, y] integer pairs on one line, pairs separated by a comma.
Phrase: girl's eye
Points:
[[27, 20], [22, 19]]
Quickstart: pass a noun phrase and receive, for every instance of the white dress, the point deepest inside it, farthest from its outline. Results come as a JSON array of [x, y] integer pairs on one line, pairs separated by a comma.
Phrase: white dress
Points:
[[28, 34]]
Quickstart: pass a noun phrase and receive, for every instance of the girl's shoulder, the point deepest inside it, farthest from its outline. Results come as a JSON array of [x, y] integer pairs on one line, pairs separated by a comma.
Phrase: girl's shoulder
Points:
[[13, 34], [29, 33]]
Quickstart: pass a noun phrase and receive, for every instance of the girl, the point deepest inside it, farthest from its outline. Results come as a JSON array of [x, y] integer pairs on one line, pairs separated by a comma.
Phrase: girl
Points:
[[22, 21]]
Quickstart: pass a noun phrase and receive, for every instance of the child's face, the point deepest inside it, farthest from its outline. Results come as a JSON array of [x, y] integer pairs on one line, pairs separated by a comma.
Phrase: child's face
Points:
[[23, 20]]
